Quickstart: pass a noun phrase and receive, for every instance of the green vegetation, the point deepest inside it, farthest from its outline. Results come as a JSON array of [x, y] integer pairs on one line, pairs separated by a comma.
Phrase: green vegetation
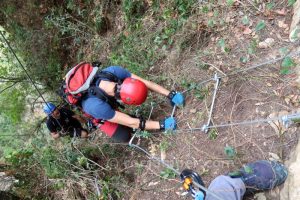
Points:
[[167, 174], [51, 36], [260, 26], [286, 65]]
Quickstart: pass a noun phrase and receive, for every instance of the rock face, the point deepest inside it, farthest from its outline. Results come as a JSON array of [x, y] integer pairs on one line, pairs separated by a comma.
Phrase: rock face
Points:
[[295, 25], [291, 189], [6, 182]]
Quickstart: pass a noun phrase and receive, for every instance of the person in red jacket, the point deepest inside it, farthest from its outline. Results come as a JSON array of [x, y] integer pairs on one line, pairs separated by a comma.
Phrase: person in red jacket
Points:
[[110, 85]]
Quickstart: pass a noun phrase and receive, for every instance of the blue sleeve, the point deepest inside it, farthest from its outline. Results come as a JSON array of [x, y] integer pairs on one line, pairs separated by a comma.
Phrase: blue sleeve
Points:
[[98, 108], [120, 72]]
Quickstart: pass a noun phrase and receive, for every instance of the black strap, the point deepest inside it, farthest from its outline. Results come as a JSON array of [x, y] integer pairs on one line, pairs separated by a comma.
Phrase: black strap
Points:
[[107, 75], [142, 124], [162, 124], [96, 91], [171, 94]]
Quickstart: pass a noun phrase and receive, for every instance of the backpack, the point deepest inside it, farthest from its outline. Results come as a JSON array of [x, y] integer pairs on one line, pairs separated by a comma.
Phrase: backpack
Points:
[[81, 81]]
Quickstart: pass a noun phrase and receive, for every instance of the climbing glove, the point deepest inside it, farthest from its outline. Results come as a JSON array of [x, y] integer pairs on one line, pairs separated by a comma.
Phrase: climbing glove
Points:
[[199, 195], [176, 98], [168, 124]]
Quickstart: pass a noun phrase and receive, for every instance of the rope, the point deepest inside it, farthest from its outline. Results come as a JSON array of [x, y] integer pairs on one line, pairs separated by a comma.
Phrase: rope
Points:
[[14, 135], [286, 119], [293, 54], [265, 63], [27, 74]]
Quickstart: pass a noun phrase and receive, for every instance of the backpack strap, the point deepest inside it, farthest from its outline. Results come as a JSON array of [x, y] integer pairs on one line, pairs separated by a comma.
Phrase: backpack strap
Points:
[[96, 91], [108, 75], [102, 75]]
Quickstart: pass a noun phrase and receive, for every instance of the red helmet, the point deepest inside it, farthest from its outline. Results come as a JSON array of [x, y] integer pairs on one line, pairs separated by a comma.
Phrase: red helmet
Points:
[[133, 91]]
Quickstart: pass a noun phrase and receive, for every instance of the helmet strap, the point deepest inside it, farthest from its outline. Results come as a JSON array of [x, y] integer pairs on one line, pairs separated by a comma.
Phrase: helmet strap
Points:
[[117, 91]]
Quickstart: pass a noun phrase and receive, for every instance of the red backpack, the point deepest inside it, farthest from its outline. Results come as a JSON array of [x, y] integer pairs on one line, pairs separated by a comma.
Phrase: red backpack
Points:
[[81, 81]]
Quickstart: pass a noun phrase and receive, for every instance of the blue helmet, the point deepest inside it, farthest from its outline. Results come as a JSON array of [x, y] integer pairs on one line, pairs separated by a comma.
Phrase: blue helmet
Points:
[[49, 108]]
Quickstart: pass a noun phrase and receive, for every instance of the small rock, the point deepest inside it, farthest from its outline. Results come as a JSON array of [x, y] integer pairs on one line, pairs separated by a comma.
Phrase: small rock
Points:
[[274, 156], [227, 19], [153, 183], [267, 43], [183, 194], [163, 155], [294, 31], [287, 100], [260, 196], [193, 111]]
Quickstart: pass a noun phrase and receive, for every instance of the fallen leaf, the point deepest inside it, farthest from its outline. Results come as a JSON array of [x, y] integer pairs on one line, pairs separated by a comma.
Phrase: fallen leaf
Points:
[[281, 12], [153, 183], [153, 149], [126, 33], [258, 104], [269, 84], [267, 43], [277, 125], [294, 99], [225, 79], [163, 155], [287, 100], [247, 31], [227, 19], [276, 93], [281, 24]]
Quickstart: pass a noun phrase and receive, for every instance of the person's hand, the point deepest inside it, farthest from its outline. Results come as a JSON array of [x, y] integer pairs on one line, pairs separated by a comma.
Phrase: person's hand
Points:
[[176, 98], [168, 124]]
